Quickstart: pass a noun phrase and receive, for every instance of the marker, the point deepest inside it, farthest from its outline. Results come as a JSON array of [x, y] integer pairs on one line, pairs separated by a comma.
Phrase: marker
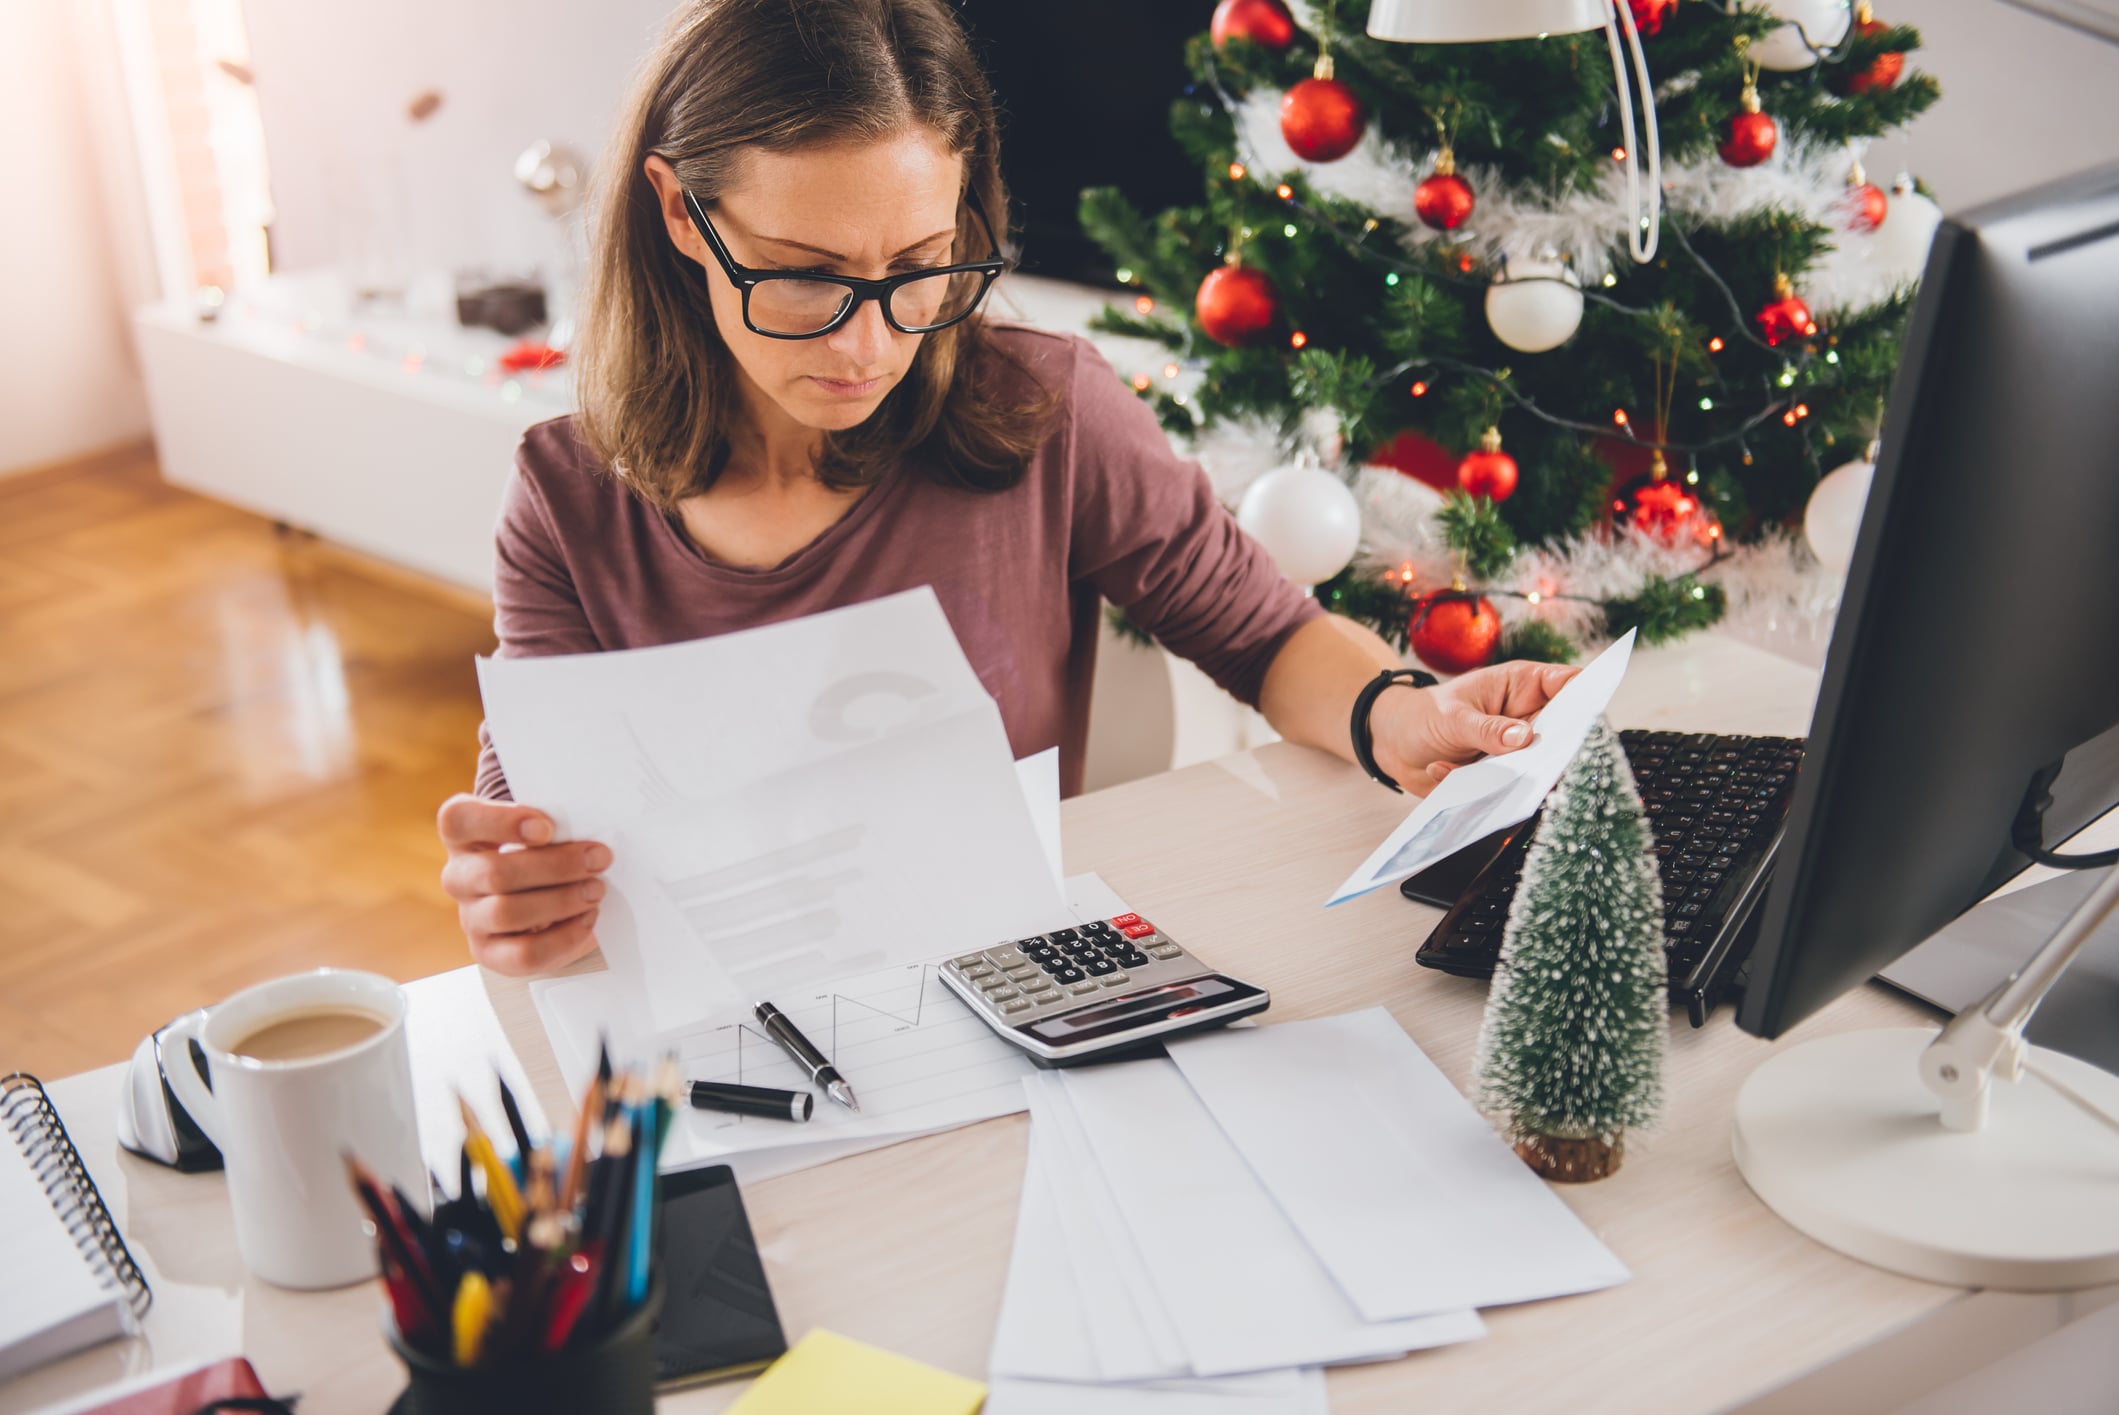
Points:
[[752, 1100], [821, 1071]]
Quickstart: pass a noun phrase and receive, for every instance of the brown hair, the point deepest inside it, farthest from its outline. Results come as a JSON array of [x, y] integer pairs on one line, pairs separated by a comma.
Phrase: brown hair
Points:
[[656, 382]]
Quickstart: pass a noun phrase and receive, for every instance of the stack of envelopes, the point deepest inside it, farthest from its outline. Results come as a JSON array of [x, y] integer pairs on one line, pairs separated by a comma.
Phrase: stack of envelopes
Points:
[[1199, 1235]]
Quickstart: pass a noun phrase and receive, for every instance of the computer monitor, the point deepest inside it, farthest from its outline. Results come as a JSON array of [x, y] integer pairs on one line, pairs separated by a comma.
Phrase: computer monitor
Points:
[[1977, 647], [1978, 638]]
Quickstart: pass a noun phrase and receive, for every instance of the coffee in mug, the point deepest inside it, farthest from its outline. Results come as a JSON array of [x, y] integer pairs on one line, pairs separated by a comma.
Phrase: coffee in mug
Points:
[[306, 1070], [317, 1031]]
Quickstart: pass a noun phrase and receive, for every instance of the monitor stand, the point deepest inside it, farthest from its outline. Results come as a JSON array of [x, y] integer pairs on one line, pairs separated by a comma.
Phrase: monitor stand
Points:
[[1842, 1138], [1964, 1156]]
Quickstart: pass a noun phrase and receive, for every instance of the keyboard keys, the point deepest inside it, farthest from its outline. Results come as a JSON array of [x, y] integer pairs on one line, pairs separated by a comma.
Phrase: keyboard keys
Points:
[[1124, 921], [1100, 968], [1068, 976], [1713, 802], [1137, 929]]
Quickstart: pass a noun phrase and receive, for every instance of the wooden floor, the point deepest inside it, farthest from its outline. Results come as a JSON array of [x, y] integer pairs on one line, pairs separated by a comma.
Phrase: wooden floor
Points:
[[221, 750]]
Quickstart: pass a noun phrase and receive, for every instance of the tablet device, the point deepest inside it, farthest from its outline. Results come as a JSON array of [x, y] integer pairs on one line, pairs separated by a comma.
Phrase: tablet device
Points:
[[718, 1317]]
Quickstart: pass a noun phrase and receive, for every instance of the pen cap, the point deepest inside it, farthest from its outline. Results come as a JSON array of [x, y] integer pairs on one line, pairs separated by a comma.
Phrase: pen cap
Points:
[[611, 1375]]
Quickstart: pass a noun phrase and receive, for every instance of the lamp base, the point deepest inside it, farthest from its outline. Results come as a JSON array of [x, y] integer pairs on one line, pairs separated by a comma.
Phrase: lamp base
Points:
[[1840, 1138]]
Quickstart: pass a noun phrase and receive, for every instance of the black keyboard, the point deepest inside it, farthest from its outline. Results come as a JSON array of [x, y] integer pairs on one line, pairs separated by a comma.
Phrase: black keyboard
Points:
[[1716, 804]]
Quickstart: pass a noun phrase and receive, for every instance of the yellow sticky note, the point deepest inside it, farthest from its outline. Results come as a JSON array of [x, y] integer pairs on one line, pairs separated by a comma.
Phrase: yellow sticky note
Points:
[[825, 1371]]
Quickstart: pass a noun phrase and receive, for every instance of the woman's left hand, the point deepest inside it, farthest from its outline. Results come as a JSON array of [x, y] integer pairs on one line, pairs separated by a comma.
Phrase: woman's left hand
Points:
[[1421, 735]]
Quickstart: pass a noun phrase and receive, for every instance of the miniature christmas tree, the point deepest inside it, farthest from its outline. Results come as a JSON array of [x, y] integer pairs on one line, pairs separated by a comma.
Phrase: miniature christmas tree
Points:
[[1570, 1054]]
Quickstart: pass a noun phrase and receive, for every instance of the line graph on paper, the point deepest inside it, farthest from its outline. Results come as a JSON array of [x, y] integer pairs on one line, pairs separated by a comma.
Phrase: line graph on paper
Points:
[[915, 1055]]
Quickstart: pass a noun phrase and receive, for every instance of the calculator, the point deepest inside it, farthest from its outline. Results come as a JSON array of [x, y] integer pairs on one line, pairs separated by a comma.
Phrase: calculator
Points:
[[1097, 992]]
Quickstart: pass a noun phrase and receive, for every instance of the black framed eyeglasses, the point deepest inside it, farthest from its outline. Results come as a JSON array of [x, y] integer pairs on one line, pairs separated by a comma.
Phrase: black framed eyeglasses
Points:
[[795, 304]]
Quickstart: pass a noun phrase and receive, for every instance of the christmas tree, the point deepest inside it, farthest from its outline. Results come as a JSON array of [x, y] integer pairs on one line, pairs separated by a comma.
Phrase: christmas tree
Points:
[[1570, 1054], [1434, 242]]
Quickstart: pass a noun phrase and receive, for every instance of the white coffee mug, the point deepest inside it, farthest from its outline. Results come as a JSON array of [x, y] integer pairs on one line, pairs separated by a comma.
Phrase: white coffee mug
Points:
[[285, 1127]]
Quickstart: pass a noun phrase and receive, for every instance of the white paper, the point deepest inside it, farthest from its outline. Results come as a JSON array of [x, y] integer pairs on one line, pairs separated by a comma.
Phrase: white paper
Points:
[[918, 1058], [1038, 775], [1128, 1327], [784, 805], [1493, 793], [1241, 1287], [458, 1049], [1043, 1331], [1402, 1190]]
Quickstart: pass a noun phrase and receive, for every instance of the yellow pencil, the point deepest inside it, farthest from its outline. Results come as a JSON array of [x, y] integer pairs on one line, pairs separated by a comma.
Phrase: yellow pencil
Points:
[[474, 1304], [502, 1196]]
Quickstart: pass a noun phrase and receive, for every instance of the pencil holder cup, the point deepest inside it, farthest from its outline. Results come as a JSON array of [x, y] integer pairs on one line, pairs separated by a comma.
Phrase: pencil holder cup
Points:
[[613, 1375]]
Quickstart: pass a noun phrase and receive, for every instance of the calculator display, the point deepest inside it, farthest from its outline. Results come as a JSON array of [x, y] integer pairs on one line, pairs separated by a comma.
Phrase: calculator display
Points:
[[1129, 1012]]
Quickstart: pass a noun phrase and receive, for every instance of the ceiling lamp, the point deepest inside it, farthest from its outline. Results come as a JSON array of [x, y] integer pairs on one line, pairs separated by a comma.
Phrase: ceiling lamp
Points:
[[1482, 21]]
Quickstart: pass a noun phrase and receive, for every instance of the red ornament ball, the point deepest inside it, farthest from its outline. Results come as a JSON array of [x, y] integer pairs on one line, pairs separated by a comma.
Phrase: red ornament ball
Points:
[[1881, 72], [1455, 632], [1751, 139], [1237, 305], [1264, 22], [1667, 509], [1867, 206], [1488, 471], [1786, 318], [1648, 15], [1321, 119], [1443, 200]]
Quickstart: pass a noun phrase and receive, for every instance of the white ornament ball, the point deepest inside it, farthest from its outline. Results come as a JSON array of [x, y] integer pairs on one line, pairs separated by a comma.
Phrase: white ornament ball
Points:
[[1307, 520], [1833, 518], [1824, 21], [1535, 306], [1899, 247]]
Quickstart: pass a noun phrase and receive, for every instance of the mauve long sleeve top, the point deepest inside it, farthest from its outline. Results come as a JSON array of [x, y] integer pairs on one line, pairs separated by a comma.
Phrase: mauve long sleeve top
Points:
[[1106, 511]]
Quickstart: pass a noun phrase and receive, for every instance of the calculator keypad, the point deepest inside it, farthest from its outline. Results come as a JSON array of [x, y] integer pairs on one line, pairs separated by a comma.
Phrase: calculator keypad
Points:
[[1070, 967]]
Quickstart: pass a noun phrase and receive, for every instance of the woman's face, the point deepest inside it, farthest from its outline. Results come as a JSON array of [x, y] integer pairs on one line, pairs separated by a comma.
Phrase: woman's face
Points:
[[869, 209]]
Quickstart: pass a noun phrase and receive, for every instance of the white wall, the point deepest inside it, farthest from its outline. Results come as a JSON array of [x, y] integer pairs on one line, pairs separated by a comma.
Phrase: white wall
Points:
[[354, 180], [2023, 100], [68, 381]]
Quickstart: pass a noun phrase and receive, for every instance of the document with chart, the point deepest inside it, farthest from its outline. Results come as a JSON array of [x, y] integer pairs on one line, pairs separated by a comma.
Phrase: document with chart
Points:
[[785, 805], [919, 1058]]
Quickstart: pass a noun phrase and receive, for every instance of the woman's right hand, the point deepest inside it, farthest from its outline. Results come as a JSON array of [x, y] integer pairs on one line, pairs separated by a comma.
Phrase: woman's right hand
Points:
[[528, 910]]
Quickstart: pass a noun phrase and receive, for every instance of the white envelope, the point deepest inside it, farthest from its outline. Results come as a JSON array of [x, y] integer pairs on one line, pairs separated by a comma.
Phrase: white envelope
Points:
[[1241, 1287], [1401, 1189], [1128, 1325], [1492, 793]]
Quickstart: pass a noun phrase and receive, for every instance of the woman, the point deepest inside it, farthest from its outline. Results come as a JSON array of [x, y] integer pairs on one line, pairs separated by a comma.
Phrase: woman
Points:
[[789, 403]]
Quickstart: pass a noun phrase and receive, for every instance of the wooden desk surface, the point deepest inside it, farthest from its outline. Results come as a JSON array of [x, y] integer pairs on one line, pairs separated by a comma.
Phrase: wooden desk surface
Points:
[[907, 1247]]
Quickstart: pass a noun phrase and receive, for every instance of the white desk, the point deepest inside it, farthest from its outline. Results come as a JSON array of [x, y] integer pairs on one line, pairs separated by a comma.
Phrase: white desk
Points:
[[907, 1247]]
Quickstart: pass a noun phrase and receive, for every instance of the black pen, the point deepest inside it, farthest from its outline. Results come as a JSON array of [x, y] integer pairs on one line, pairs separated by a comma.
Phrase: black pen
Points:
[[752, 1100], [821, 1071]]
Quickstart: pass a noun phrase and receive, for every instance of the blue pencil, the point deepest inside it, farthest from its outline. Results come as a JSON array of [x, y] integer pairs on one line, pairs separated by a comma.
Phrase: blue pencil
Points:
[[639, 1235]]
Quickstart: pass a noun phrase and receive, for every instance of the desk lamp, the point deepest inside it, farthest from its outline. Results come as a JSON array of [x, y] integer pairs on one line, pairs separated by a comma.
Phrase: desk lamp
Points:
[[1480, 21]]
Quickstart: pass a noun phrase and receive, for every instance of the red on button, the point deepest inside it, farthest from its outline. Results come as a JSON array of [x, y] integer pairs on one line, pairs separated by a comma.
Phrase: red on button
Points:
[[1125, 921], [1139, 930]]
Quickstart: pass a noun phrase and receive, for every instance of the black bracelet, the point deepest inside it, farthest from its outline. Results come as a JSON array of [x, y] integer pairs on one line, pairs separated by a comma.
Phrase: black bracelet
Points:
[[1364, 743]]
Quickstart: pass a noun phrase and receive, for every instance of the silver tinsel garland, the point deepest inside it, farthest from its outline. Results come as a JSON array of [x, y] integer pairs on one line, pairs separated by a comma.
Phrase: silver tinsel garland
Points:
[[1780, 597]]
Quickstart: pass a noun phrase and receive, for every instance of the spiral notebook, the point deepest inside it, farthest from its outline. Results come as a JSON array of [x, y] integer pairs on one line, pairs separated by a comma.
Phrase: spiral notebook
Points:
[[66, 1280]]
